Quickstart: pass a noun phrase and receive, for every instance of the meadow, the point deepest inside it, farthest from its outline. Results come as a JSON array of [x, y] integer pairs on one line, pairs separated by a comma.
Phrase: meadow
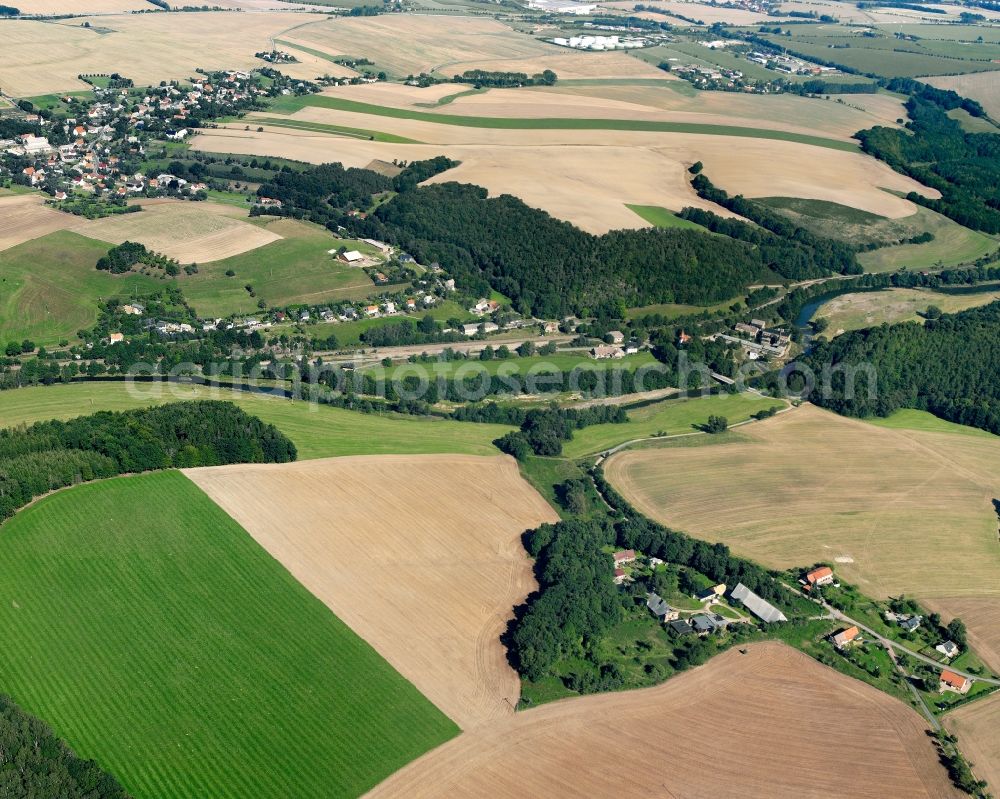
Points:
[[669, 417], [208, 670], [319, 431], [50, 289], [662, 218], [447, 578], [652, 742], [295, 267], [872, 308]]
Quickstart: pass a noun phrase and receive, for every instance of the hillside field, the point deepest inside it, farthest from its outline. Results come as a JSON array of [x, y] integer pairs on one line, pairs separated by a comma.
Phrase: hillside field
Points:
[[655, 741], [319, 431], [419, 555], [894, 510], [206, 670], [50, 288]]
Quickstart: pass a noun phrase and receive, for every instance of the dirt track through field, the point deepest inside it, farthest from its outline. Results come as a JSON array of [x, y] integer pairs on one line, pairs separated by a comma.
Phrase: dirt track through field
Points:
[[772, 723], [419, 555]]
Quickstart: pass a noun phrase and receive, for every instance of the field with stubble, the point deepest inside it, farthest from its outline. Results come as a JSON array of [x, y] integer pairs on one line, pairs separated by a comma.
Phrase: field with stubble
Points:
[[896, 510], [976, 726], [739, 725], [420, 556], [191, 232]]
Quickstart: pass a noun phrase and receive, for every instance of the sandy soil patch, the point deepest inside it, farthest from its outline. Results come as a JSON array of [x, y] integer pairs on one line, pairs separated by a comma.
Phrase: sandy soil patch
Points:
[[409, 44], [45, 57], [983, 86], [25, 217], [747, 710], [191, 232], [977, 726], [419, 555], [913, 509]]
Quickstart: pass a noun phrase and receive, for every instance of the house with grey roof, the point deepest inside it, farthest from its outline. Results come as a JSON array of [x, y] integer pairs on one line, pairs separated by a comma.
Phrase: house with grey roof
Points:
[[659, 608]]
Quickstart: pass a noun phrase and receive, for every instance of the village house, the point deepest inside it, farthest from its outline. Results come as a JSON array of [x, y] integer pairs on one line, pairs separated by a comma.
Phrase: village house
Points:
[[133, 309], [390, 307], [954, 682], [116, 338], [620, 576], [659, 608], [605, 352], [947, 648], [624, 556], [680, 627], [704, 624], [683, 338], [821, 576], [616, 336], [713, 593], [910, 624], [845, 638], [371, 310]]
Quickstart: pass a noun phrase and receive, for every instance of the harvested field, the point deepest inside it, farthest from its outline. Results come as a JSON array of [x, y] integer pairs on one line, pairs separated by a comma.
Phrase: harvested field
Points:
[[981, 86], [448, 45], [555, 169], [43, 57], [25, 216], [900, 511], [191, 232], [702, 12], [427, 572], [49, 7], [976, 726], [646, 743]]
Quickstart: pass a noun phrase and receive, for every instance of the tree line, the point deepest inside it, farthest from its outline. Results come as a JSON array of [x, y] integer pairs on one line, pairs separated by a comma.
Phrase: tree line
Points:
[[543, 430], [35, 763], [55, 454]]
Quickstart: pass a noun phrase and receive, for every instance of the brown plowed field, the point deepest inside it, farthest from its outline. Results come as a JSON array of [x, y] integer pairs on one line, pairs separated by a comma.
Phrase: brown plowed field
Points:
[[419, 555], [771, 724]]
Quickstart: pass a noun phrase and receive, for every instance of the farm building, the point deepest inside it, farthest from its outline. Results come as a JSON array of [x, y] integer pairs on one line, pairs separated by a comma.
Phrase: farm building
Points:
[[659, 608], [704, 624], [821, 576], [845, 638], [713, 593], [760, 608], [351, 256], [680, 627], [954, 682]]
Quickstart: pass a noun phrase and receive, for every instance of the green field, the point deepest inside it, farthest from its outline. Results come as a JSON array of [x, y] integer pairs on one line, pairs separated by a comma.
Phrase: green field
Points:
[[290, 104], [295, 269], [155, 636], [661, 217], [319, 431], [887, 56], [952, 245], [670, 417], [336, 130], [910, 419], [50, 288], [673, 310]]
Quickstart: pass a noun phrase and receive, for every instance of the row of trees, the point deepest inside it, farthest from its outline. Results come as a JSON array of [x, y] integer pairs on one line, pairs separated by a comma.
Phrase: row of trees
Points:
[[54, 454], [543, 430]]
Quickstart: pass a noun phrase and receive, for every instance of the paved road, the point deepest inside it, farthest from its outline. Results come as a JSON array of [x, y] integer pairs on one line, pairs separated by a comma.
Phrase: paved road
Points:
[[891, 645]]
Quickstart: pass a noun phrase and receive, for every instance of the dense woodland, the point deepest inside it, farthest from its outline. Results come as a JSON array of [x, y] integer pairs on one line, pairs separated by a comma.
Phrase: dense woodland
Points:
[[964, 167], [35, 764], [950, 366], [54, 454]]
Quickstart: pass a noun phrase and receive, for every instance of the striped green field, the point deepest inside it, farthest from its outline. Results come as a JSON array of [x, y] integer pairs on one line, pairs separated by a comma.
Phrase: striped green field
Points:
[[155, 636], [319, 431], [290, 104]]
